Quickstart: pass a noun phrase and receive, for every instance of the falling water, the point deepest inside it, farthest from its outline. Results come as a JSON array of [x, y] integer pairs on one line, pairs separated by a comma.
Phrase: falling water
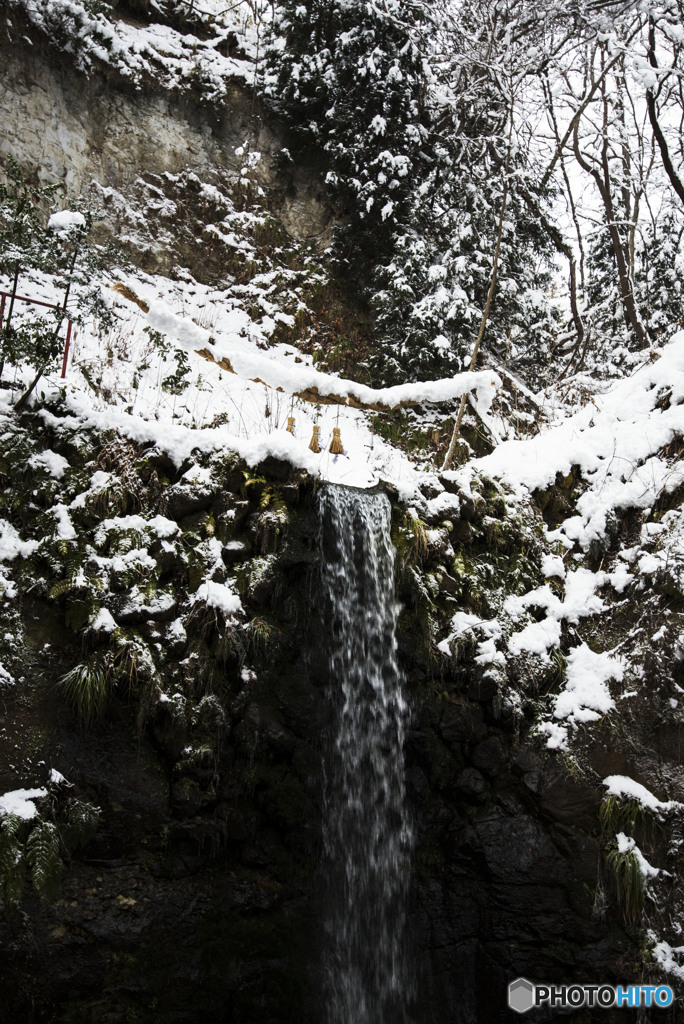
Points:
[[367, 835]]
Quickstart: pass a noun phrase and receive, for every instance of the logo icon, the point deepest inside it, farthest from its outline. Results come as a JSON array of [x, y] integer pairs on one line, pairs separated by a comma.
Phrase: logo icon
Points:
[[521, 995]]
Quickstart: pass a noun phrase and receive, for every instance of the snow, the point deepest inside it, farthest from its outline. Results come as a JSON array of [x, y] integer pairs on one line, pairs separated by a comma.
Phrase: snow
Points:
[[552, 565], [666, 955], [138, 53], [55, 464], [6, 679], [66, 221], [103, 622], [64, 529], [19, 802], [626, 844], [220, 596], [623, 786], [536, 638], [272, 371], [586, 696], [557, 735], [615, 441], [158, 525], [445, 504], [11, 545]]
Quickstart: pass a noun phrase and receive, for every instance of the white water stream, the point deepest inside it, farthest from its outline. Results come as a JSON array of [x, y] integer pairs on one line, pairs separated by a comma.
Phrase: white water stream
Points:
[[367, 836]]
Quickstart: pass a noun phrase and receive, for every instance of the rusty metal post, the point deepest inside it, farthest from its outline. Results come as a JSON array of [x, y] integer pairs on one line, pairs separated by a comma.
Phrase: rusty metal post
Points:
[[66, 348]]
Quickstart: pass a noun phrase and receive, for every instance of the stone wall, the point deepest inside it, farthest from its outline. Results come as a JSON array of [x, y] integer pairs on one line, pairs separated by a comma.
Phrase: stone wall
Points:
[[74, 128]]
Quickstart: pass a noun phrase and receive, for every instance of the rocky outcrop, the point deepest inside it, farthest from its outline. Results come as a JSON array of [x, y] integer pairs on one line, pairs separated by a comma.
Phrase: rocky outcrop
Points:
[[76, 128], [199, 897]]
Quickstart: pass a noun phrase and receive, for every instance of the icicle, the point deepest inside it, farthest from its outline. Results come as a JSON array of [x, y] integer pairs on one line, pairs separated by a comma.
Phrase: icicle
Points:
[[290, 425], [314, 445], [336, 443]]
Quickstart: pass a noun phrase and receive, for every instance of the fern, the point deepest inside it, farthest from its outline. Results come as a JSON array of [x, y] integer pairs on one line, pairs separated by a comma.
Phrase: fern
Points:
[[76, 582], [43, 855], [12, 860], [251, 481], [629, 882], [81, 825], [87, 688], [618, 815]]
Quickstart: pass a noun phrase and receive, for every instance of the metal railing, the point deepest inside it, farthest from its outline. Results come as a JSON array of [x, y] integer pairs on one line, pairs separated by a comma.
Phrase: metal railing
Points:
[[38, 302]]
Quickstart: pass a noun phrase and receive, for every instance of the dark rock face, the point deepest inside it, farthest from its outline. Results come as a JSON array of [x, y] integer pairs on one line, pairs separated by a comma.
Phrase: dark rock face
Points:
[[199, 899], [505, 879]]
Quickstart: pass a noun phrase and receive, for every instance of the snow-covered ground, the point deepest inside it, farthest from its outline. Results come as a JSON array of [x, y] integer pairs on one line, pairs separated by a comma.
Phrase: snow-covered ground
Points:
[[188, 368], [123, 379]]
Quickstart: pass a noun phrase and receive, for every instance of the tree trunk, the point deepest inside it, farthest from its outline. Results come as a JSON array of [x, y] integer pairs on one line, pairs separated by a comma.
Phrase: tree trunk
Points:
[[448, 461], [629, 306]]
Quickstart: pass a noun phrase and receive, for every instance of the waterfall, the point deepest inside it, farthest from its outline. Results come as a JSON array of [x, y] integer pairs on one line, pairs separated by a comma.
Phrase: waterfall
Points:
[[367, 837]]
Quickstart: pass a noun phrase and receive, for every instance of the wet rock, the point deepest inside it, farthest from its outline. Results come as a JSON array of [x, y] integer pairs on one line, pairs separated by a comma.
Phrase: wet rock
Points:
[[169, 729], [275, 469], [417, 785], [489, 756], [229, 523], [448, 584], [186, 798], [483, 687], [237, 827], [462, 723], [431, 487], [570, 801], [268, 724], [462, 532], [513, 846], [235, 551], [439, 544], [290, 493], [434, 757], [183, 500], [472, 784], [448, 484]]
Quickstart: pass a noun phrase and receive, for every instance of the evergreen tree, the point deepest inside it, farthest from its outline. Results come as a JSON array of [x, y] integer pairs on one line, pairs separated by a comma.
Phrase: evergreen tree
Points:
[[351, 82], [415, 171], [434, 289], [659, 277]]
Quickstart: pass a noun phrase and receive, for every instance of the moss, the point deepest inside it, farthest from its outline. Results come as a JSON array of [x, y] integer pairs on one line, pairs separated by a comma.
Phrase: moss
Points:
[[400, 429]]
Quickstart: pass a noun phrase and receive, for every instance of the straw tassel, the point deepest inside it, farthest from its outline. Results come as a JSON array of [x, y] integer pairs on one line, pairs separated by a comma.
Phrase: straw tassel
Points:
[[290, 425], [315, 446], [336, 443]]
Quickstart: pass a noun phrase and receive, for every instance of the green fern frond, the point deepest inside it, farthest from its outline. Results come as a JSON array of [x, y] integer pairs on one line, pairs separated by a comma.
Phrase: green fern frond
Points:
[[12, 860], [87, 688], [10, 827], [76, 582], [81, 824], [629, 882], [619, 815], [251, 481], [43, 855]]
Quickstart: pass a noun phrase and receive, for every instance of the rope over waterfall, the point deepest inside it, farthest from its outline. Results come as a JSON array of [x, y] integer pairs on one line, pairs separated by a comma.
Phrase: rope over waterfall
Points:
[[367, 837]]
